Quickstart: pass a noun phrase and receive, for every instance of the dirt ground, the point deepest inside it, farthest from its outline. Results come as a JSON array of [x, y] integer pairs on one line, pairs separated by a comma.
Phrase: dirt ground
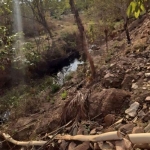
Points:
[[123, 80]]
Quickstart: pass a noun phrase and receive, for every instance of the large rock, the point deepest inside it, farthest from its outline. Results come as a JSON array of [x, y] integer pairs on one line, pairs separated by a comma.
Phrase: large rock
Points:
[[127, 82], [107, 101], [113, 77]]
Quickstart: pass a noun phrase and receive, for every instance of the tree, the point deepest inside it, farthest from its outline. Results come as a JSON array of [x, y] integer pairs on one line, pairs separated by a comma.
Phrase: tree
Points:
[[136, 7], [39, 12], [83, 36]]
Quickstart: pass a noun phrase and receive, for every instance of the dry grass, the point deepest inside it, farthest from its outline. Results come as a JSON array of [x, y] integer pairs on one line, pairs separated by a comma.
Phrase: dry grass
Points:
[[77, 108]]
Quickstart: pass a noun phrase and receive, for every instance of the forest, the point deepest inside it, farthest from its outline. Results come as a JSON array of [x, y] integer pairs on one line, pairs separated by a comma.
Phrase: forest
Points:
[[74, 74]]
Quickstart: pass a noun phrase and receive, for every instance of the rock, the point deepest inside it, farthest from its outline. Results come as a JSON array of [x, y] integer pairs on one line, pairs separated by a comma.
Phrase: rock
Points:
[[132, 110], [96, 146], [147, 75], [113, 77], [63, 145], [106, 145], [127, 128], [127, 82], [123, 145], [138, 130], [147, 98], [92, 132], [108, 100], [147, 128], [109, 119], [144, 146], [146, 117], [99, 128], [141, 114], [140, 74], [110, 129], [71, 146], [134, 86], [108, 75], [145, 106], [83, 146]]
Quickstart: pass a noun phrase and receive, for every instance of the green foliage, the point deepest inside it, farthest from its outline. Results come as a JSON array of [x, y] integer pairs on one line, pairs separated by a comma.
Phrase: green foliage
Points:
[[91, 31], [64, 95], [55, 88], [135, 8], [31, 54], [70, 40]]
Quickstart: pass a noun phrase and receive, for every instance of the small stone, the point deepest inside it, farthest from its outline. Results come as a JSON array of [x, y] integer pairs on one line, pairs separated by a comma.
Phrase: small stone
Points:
[[147, 128], [140, 74], [99, 128], [132, 110], [96, 146], [146, 118], [141, 113], [144, 106], [110, 129], [84, 145], [109, 119], [147, 98], [106, 145], [128, 70], [147, 75], [134, 86], [92, 132], [108, 75], [71, 146], [127, 128], [144, 88], [138, 130], [123, 144]]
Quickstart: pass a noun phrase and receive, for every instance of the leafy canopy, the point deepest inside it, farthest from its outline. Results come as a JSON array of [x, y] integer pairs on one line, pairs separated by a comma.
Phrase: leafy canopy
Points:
[[136, 7]]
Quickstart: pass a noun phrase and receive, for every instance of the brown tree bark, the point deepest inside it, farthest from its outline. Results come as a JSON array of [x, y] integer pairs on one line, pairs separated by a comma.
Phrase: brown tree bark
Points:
[[126, 30], [83, 36]]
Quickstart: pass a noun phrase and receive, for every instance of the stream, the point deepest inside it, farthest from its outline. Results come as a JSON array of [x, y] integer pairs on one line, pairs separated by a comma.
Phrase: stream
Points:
[[66, 70]]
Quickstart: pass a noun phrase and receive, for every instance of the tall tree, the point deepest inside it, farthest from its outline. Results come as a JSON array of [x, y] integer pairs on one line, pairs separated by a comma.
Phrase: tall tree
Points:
[[39, 12], [83, 36]]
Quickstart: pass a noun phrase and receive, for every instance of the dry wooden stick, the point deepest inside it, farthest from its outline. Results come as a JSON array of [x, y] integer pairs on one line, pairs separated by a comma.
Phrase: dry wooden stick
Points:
[[95, 138], [22, 143], [139, 138], [116, 135]]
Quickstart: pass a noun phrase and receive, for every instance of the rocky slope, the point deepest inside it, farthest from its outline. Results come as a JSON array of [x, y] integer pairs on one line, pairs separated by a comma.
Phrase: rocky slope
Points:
[[121, 91]]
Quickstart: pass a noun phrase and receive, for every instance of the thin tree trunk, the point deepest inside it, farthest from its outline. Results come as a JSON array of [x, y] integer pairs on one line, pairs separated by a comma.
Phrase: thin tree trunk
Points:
[[106, 38], [126, 30], [83, 36]]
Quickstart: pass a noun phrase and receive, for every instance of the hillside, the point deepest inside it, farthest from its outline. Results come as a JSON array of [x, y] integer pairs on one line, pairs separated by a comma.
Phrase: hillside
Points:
[[120, 91]]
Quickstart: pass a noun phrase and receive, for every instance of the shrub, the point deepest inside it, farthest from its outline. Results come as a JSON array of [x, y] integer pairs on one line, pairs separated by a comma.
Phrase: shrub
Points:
[[55, 88], [70, 39], [64, 95]]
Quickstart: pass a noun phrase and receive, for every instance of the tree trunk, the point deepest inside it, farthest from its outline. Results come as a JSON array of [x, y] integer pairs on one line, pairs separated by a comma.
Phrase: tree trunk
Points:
[[83, 36], [126, 30]]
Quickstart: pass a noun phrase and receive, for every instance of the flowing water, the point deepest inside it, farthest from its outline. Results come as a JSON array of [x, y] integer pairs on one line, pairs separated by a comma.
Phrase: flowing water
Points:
[[66, 70]]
